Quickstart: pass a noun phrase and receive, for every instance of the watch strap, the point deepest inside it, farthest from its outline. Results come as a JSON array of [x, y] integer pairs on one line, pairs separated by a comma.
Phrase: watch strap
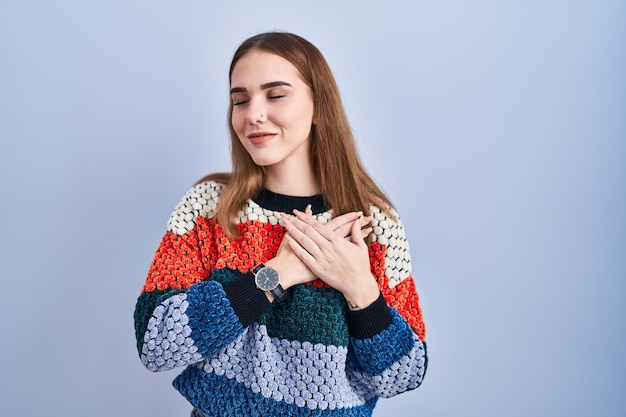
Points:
[[279, 293], [257, 268]]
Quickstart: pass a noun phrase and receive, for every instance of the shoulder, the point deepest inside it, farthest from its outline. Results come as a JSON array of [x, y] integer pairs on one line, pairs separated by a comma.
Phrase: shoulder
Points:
[[386, 226], [199, 200], [388, 231]]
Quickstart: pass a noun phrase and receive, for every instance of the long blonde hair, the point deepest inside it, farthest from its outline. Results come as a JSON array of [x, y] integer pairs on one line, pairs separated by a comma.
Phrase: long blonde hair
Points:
[[344, 183]]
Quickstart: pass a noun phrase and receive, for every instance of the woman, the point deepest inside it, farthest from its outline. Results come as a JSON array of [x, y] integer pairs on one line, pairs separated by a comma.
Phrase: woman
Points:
[[285, 286]]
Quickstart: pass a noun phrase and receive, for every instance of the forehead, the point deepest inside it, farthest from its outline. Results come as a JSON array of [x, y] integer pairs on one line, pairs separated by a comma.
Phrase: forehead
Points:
[[259, 67]]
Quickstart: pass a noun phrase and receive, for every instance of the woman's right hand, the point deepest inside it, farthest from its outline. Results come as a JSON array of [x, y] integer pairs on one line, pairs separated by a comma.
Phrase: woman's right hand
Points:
[[291, 269]]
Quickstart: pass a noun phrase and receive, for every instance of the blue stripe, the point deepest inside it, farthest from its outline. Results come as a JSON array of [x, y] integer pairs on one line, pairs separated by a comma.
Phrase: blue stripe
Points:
[[376, 354], [212, 320], [219, 396]]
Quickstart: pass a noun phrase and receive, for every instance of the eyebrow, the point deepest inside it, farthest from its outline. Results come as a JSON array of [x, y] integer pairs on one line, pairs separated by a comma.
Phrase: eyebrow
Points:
[[263, 86]]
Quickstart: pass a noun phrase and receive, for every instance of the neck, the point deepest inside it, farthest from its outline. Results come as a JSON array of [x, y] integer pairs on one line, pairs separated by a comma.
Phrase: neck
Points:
[[295, 181]]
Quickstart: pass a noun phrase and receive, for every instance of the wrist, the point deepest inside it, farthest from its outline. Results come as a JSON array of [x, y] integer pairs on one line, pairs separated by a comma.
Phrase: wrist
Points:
[[283, 272], [363, 298], [371, 320]]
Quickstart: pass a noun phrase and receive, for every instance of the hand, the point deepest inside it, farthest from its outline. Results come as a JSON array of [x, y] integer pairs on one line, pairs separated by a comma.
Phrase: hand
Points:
[[290, 267], [341, 262]]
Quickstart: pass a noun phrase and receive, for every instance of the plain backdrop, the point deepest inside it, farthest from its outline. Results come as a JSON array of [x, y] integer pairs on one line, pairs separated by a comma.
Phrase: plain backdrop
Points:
[[497, 128]]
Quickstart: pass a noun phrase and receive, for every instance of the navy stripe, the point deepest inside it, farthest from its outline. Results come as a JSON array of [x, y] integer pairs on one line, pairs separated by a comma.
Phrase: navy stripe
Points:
[[236, 400]]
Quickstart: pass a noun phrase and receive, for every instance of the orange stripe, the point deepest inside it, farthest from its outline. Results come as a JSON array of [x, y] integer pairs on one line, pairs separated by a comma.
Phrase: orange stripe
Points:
[[181, 261], [403, 297]]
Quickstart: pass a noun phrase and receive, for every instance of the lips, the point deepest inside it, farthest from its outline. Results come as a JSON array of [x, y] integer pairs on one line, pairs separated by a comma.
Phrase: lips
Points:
[[259, 138]]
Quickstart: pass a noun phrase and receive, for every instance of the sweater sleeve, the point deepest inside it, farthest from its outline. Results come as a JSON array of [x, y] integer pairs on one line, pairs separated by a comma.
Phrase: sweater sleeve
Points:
[[387, 353], [183, 314]]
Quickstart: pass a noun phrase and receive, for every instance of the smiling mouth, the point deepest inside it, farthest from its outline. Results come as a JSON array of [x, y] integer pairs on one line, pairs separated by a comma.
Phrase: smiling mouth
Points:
[[259, 138]]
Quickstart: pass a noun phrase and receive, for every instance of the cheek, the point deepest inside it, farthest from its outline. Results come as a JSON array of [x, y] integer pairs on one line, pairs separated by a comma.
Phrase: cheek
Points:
[[301, 117], [235, 121]]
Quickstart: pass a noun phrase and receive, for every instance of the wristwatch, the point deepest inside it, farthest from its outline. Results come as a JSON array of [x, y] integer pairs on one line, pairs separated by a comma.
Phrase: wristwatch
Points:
[[267, 279]]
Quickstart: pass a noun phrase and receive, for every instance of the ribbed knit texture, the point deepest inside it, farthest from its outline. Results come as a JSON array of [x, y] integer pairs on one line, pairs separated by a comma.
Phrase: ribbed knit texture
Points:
[[307, 355], [246, 300], [370, 321]]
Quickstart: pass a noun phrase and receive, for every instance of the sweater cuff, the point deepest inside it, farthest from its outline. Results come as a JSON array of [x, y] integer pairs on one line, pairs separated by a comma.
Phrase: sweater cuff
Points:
[[246, 299], [370, 321]]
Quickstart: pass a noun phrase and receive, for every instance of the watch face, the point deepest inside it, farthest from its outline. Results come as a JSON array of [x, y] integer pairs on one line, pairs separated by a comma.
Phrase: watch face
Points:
[[266, 279]]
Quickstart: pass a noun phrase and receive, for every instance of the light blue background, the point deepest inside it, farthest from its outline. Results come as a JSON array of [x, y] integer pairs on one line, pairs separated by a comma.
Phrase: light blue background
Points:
[[498, 129]]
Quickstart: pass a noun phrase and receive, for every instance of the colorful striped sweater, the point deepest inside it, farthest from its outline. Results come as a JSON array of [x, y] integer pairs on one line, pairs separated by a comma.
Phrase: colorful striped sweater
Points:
[[308, 355]]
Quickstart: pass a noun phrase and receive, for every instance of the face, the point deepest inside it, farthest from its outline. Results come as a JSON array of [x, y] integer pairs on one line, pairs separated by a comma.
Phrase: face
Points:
[[272, 111]]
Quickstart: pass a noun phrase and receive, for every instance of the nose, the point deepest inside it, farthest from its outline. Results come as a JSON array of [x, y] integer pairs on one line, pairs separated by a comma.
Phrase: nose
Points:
[[257, 111]]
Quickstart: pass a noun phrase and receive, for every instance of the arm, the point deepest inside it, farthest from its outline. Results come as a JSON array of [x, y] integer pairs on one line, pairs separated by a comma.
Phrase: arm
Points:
[[386, 359], [387, 353], [392, 359], [181, 315]]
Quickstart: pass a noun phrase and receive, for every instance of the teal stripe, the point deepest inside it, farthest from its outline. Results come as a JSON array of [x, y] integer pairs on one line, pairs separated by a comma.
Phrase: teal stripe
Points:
[[307, 314]]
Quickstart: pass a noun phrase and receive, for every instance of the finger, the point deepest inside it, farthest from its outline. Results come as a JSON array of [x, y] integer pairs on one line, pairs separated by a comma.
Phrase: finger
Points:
[[313, 228], [366, 221], [356, 235], [365, 232], [344, 219], [340, 224], [346, 229], [308, 210], [304, 234], [299, 251]]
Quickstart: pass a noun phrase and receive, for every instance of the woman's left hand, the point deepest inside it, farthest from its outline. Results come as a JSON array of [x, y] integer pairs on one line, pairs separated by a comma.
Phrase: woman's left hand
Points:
[[340, 261]]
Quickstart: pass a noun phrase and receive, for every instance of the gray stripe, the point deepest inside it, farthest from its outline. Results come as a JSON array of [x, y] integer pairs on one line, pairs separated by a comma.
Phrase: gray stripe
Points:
[[167, 341], [403, 375], [304, 374]]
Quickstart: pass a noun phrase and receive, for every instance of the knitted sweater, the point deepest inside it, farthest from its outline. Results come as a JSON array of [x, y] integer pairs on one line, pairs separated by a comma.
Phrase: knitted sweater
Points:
[[308, 355]]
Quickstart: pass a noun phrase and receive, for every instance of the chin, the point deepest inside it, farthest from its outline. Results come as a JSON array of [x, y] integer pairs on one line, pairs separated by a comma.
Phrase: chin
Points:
[[263, 162]]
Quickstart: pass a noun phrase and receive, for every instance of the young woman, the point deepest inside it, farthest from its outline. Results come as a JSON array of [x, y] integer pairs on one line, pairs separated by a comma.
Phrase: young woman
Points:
[[284, 287]]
